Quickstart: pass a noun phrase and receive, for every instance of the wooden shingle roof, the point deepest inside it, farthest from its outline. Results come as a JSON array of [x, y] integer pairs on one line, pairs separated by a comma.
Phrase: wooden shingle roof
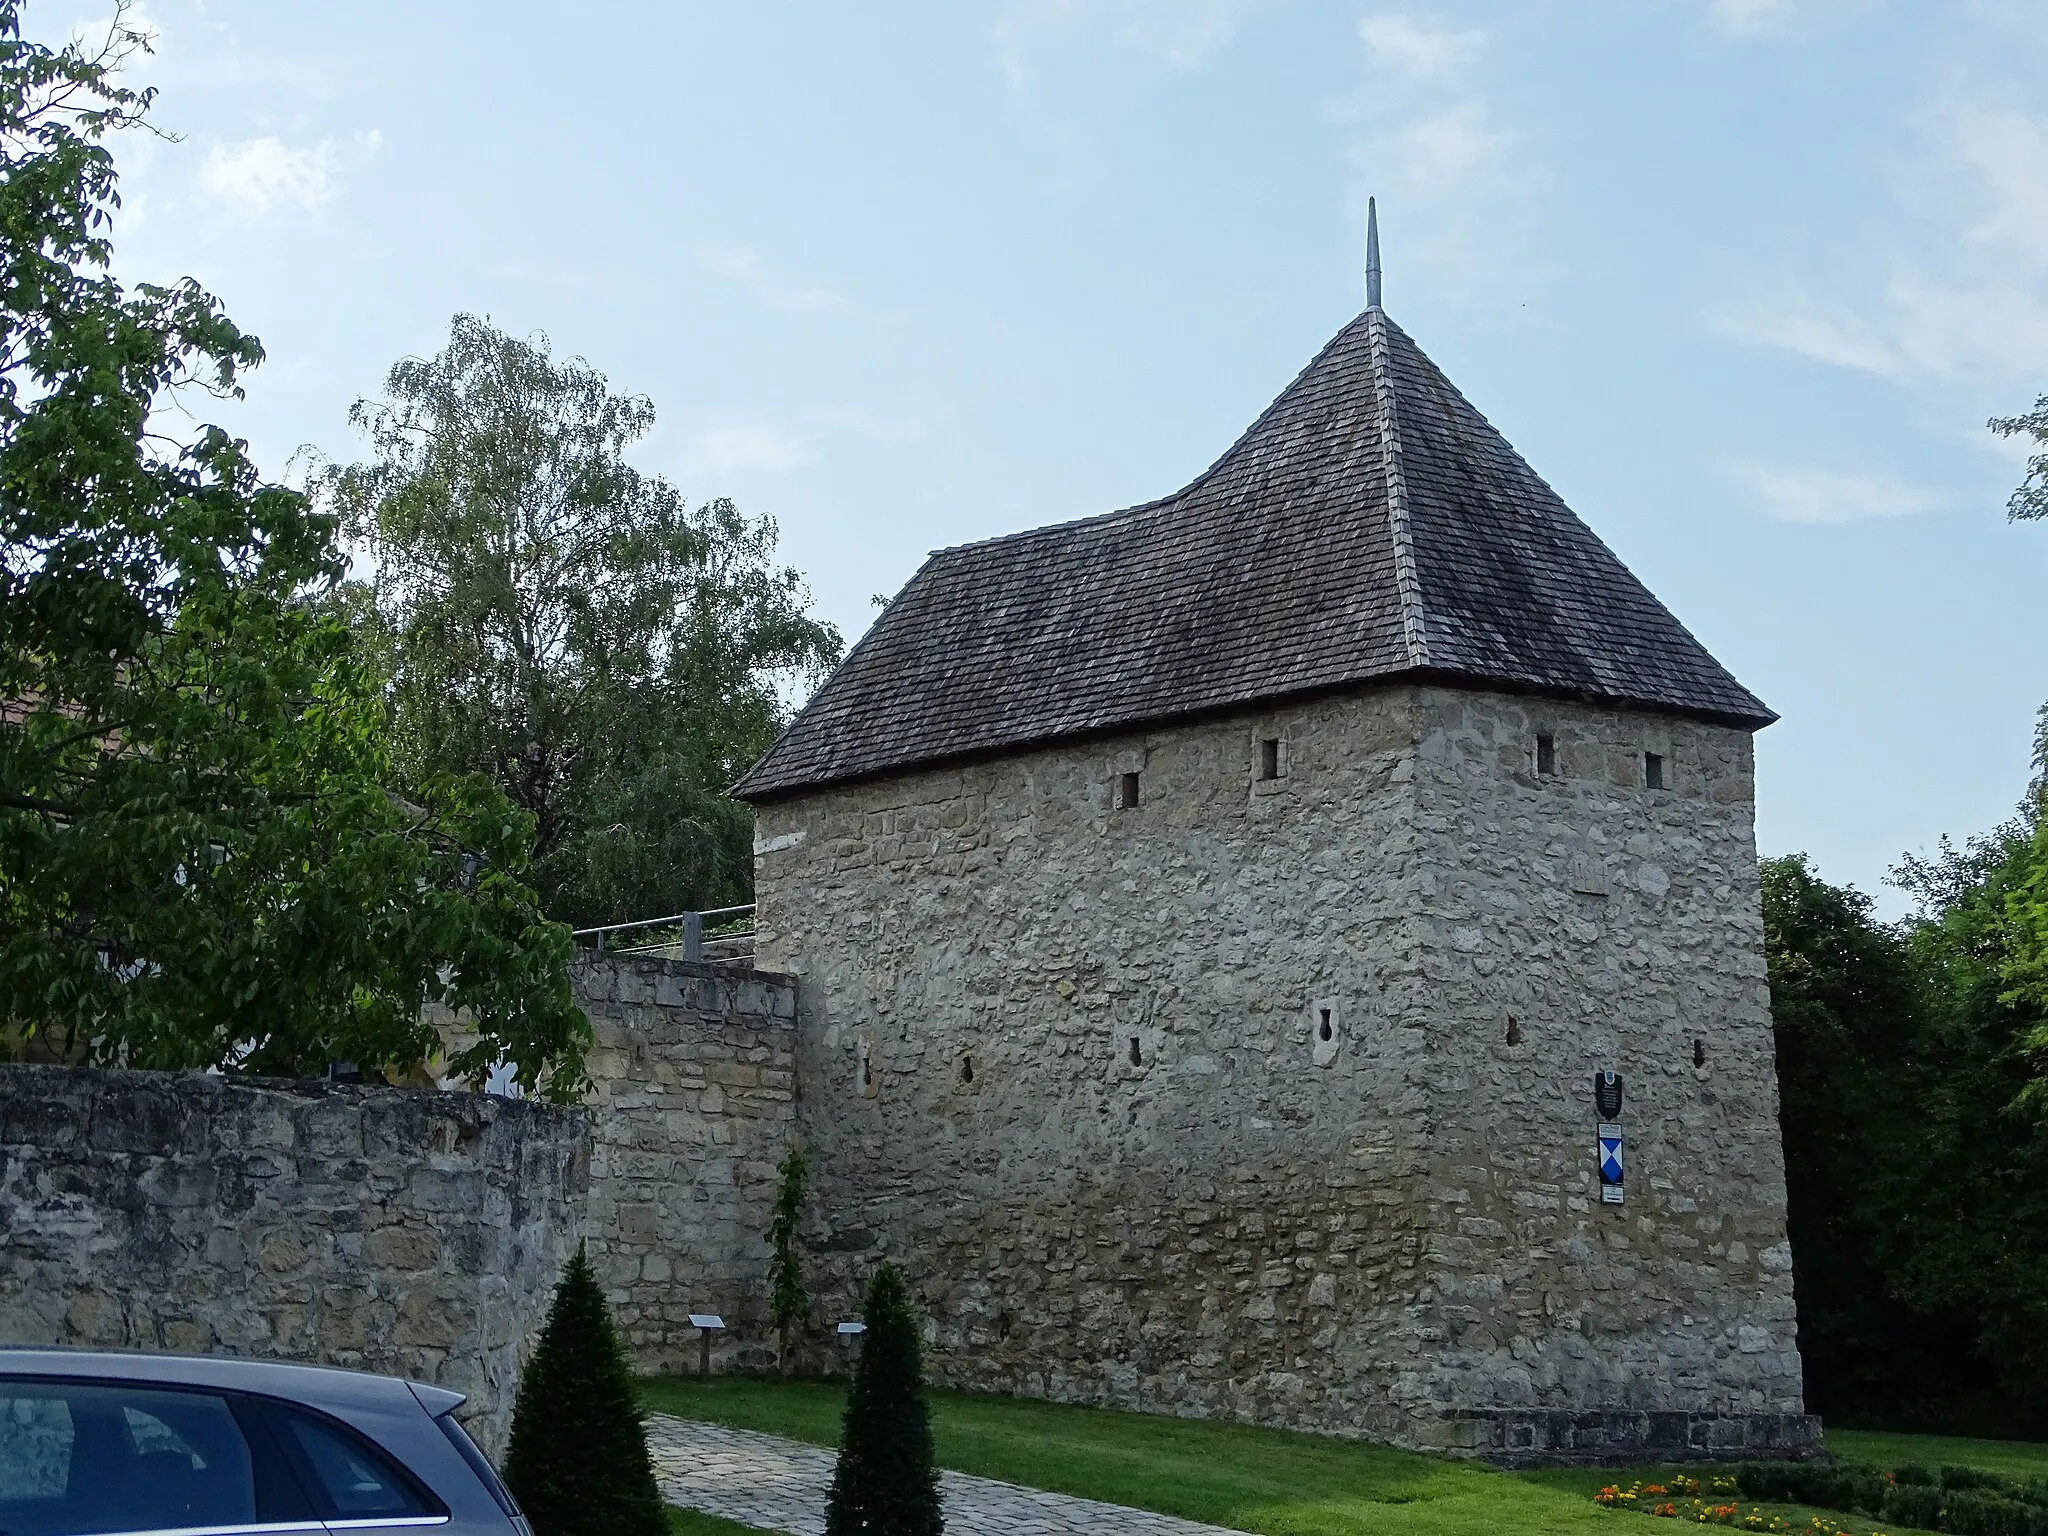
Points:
[[1370, 525]]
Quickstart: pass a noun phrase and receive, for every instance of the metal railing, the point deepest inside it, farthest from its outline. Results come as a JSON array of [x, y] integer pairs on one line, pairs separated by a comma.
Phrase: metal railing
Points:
[[722, 933]]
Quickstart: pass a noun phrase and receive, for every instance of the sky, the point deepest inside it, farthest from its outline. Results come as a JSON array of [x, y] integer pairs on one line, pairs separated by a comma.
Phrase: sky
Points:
[[1743, 279]]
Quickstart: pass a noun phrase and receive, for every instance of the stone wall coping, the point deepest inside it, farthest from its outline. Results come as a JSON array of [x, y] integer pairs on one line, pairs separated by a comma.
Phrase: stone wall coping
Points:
[[663, 965], [34, 1075]]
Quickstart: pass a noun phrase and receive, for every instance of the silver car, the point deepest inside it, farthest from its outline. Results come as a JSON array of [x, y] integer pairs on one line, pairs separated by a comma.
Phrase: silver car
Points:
[[96, 1442]]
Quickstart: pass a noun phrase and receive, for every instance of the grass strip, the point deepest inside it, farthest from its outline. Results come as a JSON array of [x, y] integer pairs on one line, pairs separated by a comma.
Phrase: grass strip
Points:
[[1269, 1481], [687, 1522], [1263, 1480]]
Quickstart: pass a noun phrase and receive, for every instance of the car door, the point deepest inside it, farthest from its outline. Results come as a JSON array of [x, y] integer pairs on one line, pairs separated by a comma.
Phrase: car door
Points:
[[95, 1458], [356, 1487]]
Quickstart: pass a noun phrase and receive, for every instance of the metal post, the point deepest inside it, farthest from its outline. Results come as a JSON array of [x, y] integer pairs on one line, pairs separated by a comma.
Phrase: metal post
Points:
[[693, 935], [705, 1323]]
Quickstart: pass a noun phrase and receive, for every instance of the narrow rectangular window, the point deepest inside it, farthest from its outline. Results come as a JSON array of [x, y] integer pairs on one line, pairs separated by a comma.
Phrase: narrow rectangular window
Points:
[[1653, 771], [1127, 792], [1546, 753], [1269, 758]]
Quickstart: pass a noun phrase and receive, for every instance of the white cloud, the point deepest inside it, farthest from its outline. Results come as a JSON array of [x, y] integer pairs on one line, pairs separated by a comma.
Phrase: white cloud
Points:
[[1959, 293], [1803, 494], [1417, 49], [744, 265], [741, 447], [1449, 146], [1799, 324], [261, 176], [1749, 18], [1183, 34], [1459, 190], [2005, 150]]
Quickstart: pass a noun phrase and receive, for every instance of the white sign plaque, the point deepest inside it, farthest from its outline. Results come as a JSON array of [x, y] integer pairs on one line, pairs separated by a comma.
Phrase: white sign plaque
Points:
[[853, 1327], [706, 1320]]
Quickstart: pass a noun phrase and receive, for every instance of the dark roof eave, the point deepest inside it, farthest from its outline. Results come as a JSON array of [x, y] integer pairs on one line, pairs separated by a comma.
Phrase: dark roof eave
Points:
[[1408, 678]]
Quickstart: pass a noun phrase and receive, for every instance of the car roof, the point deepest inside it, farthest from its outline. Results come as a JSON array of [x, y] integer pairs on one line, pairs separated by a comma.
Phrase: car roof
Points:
[[313, 1384]]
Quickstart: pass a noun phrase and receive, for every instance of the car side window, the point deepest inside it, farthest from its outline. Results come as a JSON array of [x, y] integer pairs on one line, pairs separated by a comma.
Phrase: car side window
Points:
[[79, 1457], [353, 1480]]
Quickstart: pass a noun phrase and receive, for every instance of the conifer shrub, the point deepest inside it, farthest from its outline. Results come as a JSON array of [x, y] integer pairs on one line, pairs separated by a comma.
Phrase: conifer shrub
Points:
[[1915, 1504], [886, 1483], [577, 1460], [787, 1298]]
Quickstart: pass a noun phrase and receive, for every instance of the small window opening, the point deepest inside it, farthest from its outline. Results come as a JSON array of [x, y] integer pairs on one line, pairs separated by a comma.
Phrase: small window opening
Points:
[[1127, 792], [1653, 770], [1546, 753], [1137, 1056], [1699, 1053], [1323, 1029], [1269, 758], [867, 1072], [966, 1069], [1514, 1032]]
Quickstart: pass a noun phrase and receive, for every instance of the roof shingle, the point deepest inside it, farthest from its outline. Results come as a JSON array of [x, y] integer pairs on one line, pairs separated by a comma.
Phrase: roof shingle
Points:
[[1369, 524]]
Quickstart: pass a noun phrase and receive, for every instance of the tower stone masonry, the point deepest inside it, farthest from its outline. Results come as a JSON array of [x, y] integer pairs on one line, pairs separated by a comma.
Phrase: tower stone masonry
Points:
[[1209, 921]]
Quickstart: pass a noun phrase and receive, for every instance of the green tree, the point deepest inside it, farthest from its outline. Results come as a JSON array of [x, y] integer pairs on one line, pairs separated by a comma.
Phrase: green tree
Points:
[[886, 1483], [2025, 962], [567, 625], [787, 1298], [577, 1459], [200, 862], [1973, 1240], [2031, 499], [1846, 1011]]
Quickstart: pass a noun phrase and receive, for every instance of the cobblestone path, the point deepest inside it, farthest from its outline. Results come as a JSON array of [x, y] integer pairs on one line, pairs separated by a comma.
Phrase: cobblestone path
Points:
[[780, 1485]]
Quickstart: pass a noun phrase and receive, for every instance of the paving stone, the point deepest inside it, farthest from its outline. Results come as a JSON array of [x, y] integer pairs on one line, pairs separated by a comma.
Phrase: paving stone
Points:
[[780, 1485]]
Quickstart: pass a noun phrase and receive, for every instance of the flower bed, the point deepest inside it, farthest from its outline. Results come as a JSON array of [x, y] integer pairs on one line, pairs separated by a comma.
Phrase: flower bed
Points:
[[1688, 1499], [1960, 1500]]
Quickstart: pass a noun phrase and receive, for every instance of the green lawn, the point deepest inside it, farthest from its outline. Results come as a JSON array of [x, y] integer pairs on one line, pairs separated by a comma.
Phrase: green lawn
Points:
[[687, 1522], [2011, 1458], [1261, 1480]]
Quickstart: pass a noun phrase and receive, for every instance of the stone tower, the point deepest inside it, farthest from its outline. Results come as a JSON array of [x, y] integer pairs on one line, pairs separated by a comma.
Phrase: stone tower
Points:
[[1210, 919]]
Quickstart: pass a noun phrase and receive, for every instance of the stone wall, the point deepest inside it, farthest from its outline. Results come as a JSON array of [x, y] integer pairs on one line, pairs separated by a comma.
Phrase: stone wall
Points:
[[695, 1104], [1066, 1062], [414, 1233]]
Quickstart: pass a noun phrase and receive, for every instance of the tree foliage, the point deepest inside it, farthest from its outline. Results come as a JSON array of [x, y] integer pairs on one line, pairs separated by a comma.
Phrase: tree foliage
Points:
[[577, 1458], [567, 625], [1845, 1006], [886, 1482], [2030, 500], [200, 862], [1911, 1070]]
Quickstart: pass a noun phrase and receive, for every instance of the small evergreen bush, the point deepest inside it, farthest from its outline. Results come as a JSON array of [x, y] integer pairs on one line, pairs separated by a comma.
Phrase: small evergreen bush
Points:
[[1913, 1475], [1970, 1480], [577, 1460], [1971, 1513], [1916, 1504], [885, 1483], [1795, 1482]]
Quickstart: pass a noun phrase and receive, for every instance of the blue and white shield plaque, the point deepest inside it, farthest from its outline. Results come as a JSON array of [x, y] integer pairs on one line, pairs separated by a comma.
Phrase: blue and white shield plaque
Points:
[[1610, 1164]]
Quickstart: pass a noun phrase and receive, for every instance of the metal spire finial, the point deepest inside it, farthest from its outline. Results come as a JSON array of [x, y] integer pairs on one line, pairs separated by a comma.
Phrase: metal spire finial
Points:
[[1372, 254]]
